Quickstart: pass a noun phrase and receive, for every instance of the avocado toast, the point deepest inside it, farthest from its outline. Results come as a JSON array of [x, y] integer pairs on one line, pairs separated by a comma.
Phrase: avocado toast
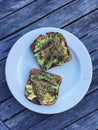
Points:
[[51, 50], [42, 88]]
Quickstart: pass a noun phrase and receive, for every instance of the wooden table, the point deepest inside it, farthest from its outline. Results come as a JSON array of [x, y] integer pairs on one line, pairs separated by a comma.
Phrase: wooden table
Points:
[[80, 17]]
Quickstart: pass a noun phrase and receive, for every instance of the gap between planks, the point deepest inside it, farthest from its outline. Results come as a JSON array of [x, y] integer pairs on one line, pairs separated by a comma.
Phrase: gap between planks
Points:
[[17, 9], [22, 28], [15, 115], [6, 99], [69, 124], [79, 18], [88, 93], [90, 52], [85, 95], [80, 38], [72, 1], [79, 119], [31, 3], [5, 125]]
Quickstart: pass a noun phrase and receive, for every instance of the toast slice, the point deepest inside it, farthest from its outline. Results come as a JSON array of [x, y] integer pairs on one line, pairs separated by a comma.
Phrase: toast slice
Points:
[[42, 88], [51, 50]]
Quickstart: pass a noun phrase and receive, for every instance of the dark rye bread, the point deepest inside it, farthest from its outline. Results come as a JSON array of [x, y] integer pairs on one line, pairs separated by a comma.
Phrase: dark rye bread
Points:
[[40, 86], [62, 38]]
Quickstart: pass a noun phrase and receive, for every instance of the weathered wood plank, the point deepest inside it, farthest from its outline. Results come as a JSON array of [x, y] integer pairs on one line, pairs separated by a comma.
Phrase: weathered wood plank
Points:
[[2, 69], [4, 91], [9, 108], [6, 44], [2, 126], [90, 122], [91, 41], [13, 21], [94, 57], [57, 121], [25, 120], [28, 15], [10, 6], [85, 25], [16, 108], [94, 83]]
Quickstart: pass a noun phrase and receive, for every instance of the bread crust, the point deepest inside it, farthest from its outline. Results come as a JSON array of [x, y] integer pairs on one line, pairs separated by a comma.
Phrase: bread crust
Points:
[[35, 100], [40, 37]]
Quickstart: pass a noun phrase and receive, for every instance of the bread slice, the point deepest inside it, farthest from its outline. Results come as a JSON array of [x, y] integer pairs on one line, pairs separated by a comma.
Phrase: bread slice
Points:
[[42, 88], [51, 50]]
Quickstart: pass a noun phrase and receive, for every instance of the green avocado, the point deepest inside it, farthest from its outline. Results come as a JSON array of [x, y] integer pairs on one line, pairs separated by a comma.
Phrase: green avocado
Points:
[[60, 63], [40, 43], [47, 98], [29, 89], [31, 96], [45, 76], [55, 87], [42, 59], [48, 65], [30, 92]]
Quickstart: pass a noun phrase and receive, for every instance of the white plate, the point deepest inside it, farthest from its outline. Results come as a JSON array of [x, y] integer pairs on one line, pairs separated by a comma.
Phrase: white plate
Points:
[[76, 74]]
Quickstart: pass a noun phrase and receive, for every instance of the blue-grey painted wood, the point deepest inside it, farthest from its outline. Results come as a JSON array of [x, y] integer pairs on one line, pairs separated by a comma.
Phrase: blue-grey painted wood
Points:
[[72, 17], [94, 57], [28, 15], [85, 25], [89, 122], [9, 108], [86, 41], [2, 69], [92, 42], [23, 17], [4, 91], [6, 44], [9, 6], [94, 83], [57, 121], [2, 126], [25, 120]]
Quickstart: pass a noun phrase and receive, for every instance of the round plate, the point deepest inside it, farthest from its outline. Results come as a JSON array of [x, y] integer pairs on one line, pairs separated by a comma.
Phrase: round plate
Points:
[[76, 74]]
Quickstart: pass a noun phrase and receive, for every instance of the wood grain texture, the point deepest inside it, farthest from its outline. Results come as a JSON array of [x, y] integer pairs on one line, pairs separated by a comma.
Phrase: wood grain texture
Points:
[[80, 18], [2, 126], [10, 6], [25, 120], [89, 122], [2, 69], [91, 41], [4, 91], [85, 25], [94, 83], [9, 108], [28, 15], [94, 57], [6, 44], [64, 119]]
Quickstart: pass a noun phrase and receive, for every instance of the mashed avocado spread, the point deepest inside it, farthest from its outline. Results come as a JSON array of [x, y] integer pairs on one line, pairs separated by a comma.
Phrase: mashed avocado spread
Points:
[[51, 50]]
